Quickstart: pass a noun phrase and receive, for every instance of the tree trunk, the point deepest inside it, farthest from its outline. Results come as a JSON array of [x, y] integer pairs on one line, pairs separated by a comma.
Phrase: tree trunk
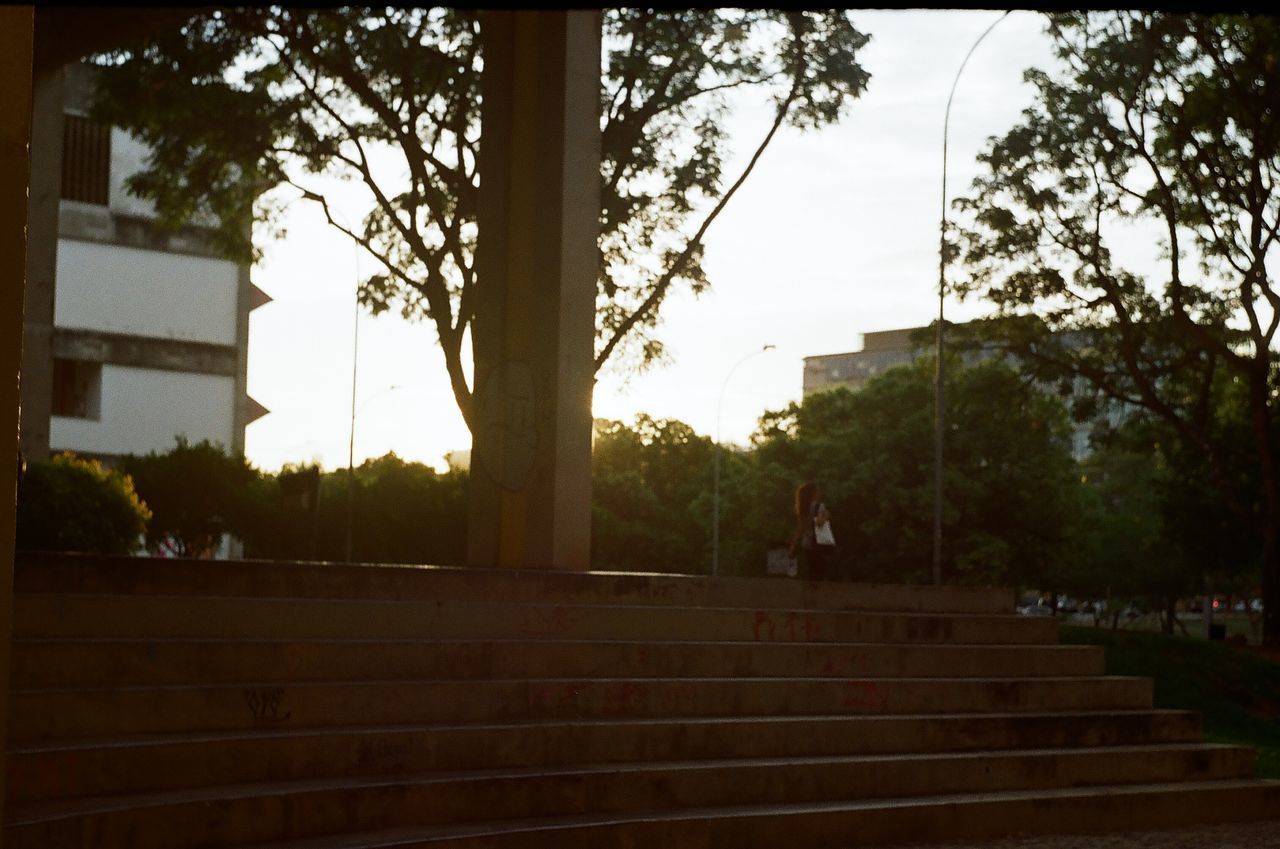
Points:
[[1259, 396], [1166, 621], [1270, 582]]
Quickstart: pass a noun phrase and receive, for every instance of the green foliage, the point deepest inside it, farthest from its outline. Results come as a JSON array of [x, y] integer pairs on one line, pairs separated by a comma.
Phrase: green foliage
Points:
[[196, 494], [1158, 529], [301, 92], [403, 512], [651, 507], [1008, 486], [1165, 122], [664, 145], [69, 504], [1127, 549], [286, 519]]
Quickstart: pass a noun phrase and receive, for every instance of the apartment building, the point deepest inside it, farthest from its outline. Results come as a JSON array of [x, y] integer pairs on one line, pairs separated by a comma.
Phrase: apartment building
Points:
[[144, 333], [884, 349]]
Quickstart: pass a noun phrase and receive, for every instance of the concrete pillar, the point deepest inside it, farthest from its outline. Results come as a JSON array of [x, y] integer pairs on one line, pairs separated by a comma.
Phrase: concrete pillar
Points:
[[537, 262], [42, 260], [240, 405], [17, 29]]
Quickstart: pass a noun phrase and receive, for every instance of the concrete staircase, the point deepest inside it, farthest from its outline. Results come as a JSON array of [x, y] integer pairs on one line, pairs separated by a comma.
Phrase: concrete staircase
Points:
[[159, 704]]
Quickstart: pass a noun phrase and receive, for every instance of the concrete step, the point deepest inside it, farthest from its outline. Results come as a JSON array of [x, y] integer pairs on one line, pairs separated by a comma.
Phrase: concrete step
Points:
[[70, 573], [59, 770], [1079, 810], [39, 615], [60, 662], [67, 713], [230, 816]]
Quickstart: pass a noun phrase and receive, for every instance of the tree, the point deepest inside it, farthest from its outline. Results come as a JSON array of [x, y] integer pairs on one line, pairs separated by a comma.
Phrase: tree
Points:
[[197, 493], [404, 512], [651, 486], [244, 100], [69, 504], [1166, 121], [1009, 482], [1204, 545], [284, 523], [1127, 549]]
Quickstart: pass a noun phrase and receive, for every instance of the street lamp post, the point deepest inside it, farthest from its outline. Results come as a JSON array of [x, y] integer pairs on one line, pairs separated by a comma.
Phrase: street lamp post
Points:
[[351, 461], [939, 408], [333, 215], [715, 487], [351, 435]]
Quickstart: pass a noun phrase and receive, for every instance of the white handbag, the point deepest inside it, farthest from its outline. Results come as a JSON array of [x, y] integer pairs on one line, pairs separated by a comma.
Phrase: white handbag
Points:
[[822, 534]]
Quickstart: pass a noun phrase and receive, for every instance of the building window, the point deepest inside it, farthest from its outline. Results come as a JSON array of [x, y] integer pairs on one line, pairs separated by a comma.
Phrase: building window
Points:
[[86, 160], [77, 389]]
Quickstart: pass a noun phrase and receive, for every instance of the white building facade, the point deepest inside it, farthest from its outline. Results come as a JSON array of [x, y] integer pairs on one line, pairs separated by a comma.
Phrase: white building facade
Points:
[[149, 329]]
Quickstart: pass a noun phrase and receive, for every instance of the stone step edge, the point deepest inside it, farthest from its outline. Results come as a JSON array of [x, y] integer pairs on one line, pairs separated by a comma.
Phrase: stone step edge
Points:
[[550, 826], [28, 565], [834, 659], [110, 640], [37, 812], [231, 735], [569, 681], [463, 603]]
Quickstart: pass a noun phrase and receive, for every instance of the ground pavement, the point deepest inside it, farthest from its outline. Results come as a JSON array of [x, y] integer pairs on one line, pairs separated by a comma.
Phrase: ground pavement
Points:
[[1257, 835]]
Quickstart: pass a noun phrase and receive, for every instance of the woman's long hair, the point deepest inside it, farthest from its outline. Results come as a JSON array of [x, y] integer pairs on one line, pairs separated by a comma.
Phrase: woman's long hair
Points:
[[804, 499]]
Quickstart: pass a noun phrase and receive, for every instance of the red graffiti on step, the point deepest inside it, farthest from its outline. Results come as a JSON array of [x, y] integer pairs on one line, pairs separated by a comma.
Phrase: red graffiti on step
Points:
[[762, 620], [863, 695], [841, 664], [677, 697], [804, 626], [623, 697], [551, 622], [795, 626], [548, 694]]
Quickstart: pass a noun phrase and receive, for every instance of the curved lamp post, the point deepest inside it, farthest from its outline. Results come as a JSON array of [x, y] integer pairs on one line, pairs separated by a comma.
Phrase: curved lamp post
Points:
[[355, 362], [715, 487], [333, 214], [939, 410], [351, 459]]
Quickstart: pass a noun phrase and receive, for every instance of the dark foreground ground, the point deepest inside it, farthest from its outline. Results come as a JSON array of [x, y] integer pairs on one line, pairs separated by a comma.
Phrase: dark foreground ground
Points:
[[1263, 835]]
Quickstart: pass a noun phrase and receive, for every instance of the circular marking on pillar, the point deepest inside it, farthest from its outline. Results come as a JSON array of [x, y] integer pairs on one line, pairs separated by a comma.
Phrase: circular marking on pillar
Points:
[[508, 432]]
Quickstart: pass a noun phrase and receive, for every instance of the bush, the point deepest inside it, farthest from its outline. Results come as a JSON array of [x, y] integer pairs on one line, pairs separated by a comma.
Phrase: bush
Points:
[[69, 504], [197, 493], [403, 512]]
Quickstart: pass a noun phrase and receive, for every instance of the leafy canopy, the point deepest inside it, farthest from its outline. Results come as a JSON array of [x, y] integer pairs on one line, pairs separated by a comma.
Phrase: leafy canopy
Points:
[[196, 494], [1010, 479], [650, 496], [1161, 124], [241, 101], [67, 503]]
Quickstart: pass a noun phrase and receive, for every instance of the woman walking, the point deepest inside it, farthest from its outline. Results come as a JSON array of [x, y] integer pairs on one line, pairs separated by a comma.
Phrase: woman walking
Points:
[[813, 544]]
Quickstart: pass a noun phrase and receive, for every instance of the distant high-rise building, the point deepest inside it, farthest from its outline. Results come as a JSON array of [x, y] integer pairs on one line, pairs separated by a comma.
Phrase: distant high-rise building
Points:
[[881, 350], [884, 349]]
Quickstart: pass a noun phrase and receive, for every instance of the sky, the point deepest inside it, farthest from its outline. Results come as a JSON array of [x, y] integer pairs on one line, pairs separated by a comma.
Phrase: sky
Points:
[[835, 234]]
